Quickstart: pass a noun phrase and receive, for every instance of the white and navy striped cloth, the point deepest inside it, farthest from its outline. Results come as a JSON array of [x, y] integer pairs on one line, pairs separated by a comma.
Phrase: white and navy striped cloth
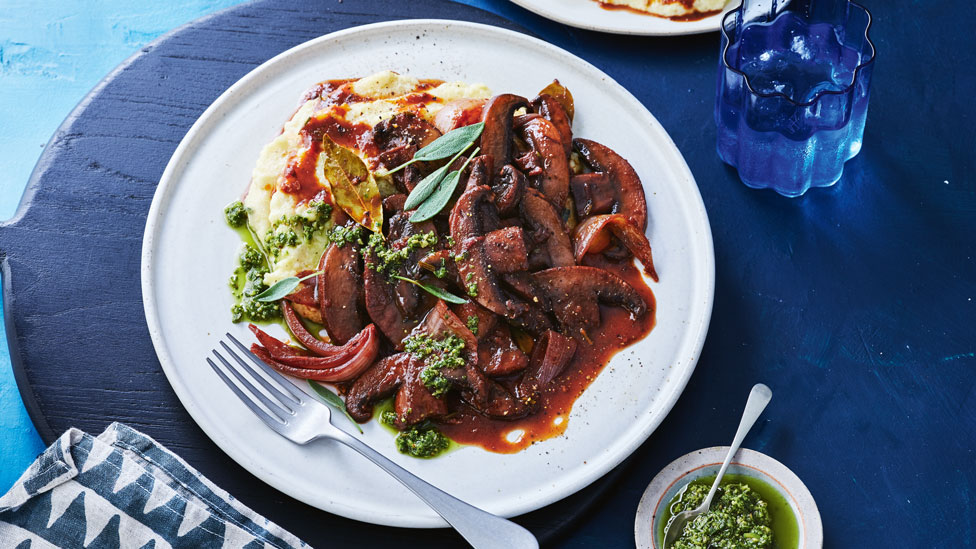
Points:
[[123, 489]]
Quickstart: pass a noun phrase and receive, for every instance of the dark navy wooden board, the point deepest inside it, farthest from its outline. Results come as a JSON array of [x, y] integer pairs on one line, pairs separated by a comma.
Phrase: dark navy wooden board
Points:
[[71, 255], [855, 304]]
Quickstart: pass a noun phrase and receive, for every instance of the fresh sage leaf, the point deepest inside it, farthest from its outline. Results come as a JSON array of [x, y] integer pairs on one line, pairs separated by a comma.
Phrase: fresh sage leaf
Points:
[[333, 400], [439, 198], [428, 184], [282, 288], [434, 291], [451, 143]]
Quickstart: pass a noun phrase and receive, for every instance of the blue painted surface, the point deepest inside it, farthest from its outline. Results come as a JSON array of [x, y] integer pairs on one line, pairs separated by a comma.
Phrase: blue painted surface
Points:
[[51, 55], [852, 303]]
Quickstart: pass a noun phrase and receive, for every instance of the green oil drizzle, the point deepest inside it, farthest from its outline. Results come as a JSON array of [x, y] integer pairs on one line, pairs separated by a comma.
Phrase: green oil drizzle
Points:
[[786, 533]]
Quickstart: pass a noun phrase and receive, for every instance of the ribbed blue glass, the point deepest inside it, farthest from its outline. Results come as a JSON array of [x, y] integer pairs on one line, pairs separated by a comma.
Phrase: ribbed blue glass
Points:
[[793, 85]]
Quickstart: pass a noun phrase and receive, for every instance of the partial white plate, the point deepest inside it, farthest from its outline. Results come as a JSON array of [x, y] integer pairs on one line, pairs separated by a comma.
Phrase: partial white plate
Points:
[[188, 253], [589, 15]]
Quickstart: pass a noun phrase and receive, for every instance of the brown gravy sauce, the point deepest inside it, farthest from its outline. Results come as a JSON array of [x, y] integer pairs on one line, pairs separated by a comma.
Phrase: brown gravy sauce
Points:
[[617, 330]]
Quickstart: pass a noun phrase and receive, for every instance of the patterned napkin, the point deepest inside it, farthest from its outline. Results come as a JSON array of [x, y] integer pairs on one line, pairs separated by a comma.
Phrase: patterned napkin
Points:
[[123, 489]]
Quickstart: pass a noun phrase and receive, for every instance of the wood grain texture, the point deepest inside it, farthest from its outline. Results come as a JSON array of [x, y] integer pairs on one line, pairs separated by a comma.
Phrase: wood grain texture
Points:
[[74, 248], [854, 304]]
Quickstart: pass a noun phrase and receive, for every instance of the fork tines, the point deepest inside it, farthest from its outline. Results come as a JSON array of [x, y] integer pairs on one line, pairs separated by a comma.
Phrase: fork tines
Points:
[[280, 399]]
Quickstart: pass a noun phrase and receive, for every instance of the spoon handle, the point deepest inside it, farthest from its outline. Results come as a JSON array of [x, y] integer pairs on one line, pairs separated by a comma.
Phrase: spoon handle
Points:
[[759, 397]]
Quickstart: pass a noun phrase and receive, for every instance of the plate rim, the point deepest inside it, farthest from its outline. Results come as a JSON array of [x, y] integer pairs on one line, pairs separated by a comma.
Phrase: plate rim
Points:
[[168, 183], [542, 11]]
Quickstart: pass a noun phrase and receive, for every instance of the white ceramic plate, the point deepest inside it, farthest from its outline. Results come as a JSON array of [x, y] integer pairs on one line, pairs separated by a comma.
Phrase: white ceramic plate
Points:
[[588, 14], [651, 511], [188, 253]]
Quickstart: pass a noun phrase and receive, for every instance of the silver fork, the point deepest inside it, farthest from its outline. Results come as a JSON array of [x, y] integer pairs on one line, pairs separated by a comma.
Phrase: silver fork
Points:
[[301, 419]]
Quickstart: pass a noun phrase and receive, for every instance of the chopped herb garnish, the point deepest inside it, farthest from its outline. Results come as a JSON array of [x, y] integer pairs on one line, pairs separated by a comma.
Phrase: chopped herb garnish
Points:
[[473, 324], [236, 214], [438, 355], [422, 441]]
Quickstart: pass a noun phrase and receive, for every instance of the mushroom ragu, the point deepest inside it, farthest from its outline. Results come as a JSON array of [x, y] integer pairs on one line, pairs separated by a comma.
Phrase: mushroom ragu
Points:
[[499, 283]]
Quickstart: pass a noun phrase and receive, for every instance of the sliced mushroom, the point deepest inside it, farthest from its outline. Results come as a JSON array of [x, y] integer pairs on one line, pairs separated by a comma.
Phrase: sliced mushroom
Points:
[[550, 109], [404, 129], [547, 145], [478, 276], [505, 250], [593, 193], [574, 293], [629, 191], [593, 236], [341, 292], [485, 320], [414, 402], [498, 355], [381, 305], [508, 189], [397, 139], [375, 384], [547, 229], [394, 203], [474, 213], [496, 138]]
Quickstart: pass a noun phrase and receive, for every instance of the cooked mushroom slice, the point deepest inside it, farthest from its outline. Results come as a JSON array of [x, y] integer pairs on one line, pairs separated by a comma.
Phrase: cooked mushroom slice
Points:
[[551, 110], [480, 280], [341, 292], [490, 398], [383, 309], [547, 229], [479, 320], [593, 236], [458, 113], [508, 189], [397, 138], [405, 128], [376, 383], [549, 358], [474, 213], [414, 401], [546, 143], [394, 203], [593, 193], [440, 263], [574, 294], [496, 138], [630, 193], [505, 250], [498, 355]]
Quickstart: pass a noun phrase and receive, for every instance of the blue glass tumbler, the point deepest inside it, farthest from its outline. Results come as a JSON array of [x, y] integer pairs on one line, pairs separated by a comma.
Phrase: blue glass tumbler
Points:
[[793, 83]]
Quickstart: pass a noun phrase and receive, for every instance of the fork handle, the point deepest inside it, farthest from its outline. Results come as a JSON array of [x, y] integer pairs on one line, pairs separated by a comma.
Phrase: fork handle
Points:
[[481, 529]]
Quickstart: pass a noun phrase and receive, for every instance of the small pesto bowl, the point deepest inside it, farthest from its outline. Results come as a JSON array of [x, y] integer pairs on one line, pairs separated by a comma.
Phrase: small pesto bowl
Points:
[[796, 520]]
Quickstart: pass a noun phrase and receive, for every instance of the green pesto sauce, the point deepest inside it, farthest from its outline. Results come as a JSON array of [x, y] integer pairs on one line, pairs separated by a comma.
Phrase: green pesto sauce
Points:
[[389, 260], [420, 441], [247, 281], [472, 323], [746, 513], [446, 353]]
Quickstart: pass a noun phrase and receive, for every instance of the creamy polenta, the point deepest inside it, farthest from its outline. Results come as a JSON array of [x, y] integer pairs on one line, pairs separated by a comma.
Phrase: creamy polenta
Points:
[[285, 189]]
